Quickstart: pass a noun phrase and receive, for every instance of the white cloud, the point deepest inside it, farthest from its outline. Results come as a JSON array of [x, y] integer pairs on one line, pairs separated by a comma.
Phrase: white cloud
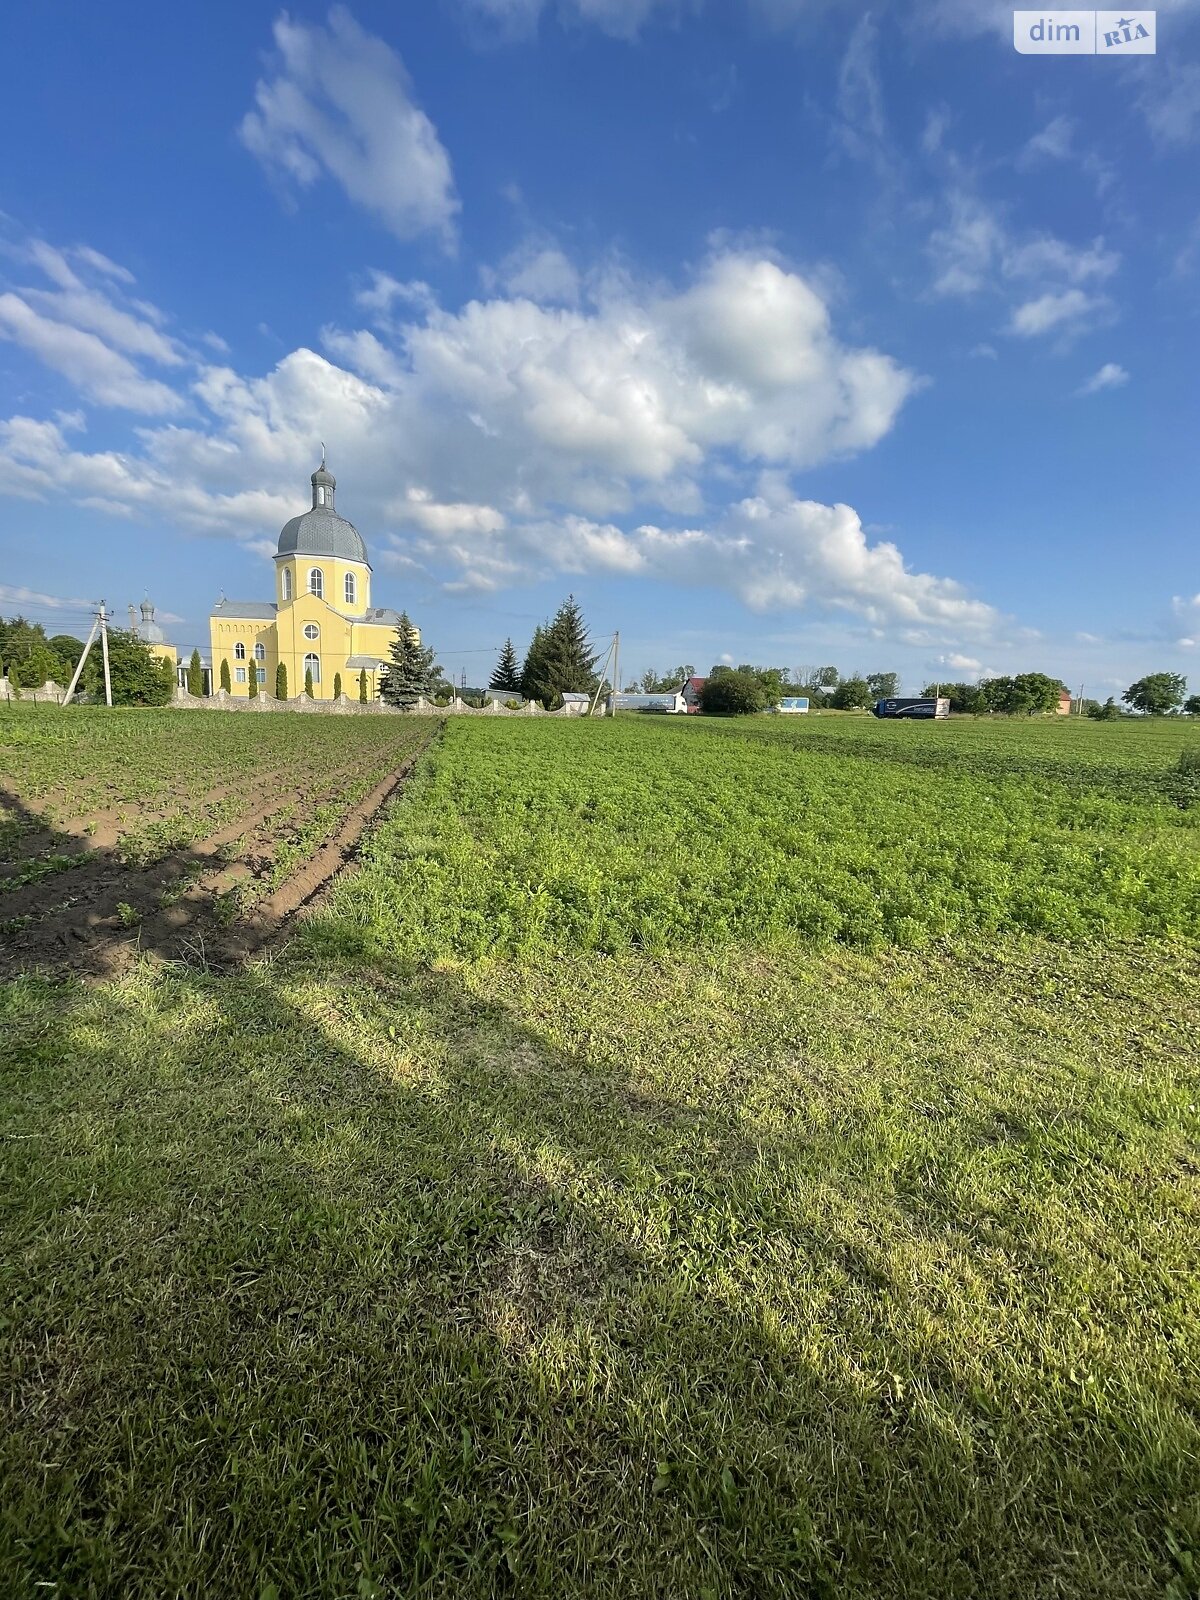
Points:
[[966, 248], [420, 508], [340, 102], [860, 128], [1170, 102], [537, 270], [90, 331], [517, 19], [385, 291], [960, 663], [975, 250], [1066, 311], [13, 595], [1054, 142], [1110, 376], [494, 443], [97, 371], [776, 553]]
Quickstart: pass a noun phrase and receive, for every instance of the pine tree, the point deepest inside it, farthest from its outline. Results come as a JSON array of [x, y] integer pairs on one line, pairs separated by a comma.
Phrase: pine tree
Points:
[[170, 677], [281, 682], [308, 683], [411, 668], [225, 683], [195, 675], [507, 676], [362, 687], [337, 686], [253, 679], [560, 660], [533, 673]]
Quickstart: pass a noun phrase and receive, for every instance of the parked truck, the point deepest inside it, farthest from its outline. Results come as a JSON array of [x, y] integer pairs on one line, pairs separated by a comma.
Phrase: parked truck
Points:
[[924, 706]]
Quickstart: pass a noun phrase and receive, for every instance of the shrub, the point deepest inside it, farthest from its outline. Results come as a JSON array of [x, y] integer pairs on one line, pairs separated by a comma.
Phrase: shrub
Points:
[[226, 681], [362, 687], [281, 682], [337, 686], [732, 694], [308, 683]]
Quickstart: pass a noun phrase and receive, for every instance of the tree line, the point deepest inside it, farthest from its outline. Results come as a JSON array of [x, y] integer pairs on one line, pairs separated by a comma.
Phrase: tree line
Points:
[[28, 659], [1158, 694]]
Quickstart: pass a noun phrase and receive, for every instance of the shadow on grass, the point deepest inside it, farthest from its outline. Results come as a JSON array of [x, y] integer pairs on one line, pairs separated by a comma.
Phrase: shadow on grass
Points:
[[328, 1280]]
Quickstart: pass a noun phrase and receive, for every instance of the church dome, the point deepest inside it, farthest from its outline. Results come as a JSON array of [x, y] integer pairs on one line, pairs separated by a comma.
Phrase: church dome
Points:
[[320, 531]]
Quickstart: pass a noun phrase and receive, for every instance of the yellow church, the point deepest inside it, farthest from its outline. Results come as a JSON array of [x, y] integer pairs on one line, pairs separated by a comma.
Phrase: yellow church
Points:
[[322, 620]]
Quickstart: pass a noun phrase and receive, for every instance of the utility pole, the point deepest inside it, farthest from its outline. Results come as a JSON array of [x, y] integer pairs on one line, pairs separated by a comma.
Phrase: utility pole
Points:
[[600, 682], [91, 639], [104, 653], [616, 670]]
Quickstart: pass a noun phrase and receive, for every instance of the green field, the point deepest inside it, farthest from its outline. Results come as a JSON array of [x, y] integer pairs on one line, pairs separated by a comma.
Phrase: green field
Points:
[[680, 1159]]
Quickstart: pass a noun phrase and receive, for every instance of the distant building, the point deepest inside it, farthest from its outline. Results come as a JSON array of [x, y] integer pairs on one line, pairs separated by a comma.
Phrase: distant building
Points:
[[503, 696], [671, 702], [576, 704], [1063, 708], [149, 632], [321, 620], [206, 675], [691, 693], [790, 705]]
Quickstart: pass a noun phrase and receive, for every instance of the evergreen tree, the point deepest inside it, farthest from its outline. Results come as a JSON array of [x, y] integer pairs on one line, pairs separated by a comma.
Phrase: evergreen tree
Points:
[[362, 687], [507, 675], [281, 682], [195, 674], [337, 686], [560, 660], [411, 669], [572, 660], [533, 673], [252, 679], [170, 674], [308, 683], [225, 683]]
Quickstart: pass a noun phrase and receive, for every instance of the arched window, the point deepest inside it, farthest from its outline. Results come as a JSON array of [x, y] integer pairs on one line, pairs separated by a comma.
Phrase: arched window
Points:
[[239, 651], [312, 663], [260, 652], [311, 631], [351, 589], [316, 583], [320, 497], [287, 583]]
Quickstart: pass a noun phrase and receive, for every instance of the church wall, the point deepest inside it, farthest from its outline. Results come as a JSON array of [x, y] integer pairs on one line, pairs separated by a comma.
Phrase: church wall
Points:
[[284, 640]]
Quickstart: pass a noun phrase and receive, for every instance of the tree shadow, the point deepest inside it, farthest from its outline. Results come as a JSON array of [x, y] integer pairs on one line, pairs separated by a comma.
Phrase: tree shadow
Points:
[[348, 1279]]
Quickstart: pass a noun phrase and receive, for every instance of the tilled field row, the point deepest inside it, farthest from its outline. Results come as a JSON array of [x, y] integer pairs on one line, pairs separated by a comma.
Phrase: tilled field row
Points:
[[110, 910], [109, 828]]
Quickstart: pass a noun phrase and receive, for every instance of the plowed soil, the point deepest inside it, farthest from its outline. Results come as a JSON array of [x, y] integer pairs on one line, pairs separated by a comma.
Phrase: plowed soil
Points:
[[94, 916]]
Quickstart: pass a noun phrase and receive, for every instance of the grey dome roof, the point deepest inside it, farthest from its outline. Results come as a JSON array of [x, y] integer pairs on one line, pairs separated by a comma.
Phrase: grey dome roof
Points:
[[321, 532]]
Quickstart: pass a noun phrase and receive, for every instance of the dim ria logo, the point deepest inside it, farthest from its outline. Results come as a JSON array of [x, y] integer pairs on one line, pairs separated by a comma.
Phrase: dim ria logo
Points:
[[1084, 33]]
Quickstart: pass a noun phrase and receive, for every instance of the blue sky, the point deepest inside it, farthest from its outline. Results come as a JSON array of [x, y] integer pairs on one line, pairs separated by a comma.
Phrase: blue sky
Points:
[[780, 331]]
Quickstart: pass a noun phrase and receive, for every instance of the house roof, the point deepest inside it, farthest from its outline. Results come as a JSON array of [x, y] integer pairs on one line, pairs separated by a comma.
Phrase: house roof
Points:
[[371, 663], [382, 614], [695, 683], [248, 610]]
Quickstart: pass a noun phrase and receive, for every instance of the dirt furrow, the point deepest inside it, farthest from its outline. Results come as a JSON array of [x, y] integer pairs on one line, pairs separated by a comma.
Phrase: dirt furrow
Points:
[[100, 939]]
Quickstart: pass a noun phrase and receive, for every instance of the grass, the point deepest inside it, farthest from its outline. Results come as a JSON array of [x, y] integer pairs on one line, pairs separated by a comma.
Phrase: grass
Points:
[[751, 1266]]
